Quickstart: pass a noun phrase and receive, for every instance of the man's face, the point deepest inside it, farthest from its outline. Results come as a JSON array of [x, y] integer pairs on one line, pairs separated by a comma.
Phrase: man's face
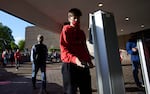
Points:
[[39, 38], [72, 18]]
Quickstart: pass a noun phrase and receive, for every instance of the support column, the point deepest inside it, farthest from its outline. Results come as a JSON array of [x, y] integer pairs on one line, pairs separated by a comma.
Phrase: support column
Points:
[[106, 52]]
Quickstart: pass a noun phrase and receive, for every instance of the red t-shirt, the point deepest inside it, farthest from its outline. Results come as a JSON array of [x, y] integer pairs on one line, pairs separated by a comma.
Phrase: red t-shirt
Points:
[[17, 55], [73, 45]]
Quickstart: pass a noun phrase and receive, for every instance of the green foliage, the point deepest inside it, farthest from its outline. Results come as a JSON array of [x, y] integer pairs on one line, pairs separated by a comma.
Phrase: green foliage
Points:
[[21, 44], [6, 33], [56, 49], [13, 45], [5, 37]]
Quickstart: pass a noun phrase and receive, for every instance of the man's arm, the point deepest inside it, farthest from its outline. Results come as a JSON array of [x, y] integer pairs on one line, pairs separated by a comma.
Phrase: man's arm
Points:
[[32, 57], [129, 48], [65, 42]]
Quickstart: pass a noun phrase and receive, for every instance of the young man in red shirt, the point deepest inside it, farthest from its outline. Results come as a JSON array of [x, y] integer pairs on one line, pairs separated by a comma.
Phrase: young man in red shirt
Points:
[[75, 56]]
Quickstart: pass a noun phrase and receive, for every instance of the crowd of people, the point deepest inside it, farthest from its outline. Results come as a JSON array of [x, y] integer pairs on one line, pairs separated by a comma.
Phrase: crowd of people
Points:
[[54, 57], [11, 57], [7, 56]]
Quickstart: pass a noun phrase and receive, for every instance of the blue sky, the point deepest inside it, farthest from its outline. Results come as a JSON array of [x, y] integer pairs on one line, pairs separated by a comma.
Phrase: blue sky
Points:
[[15, 24]]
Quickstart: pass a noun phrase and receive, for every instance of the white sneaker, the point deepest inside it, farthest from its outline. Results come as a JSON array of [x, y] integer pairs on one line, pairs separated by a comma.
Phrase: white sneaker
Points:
[[143, 85]]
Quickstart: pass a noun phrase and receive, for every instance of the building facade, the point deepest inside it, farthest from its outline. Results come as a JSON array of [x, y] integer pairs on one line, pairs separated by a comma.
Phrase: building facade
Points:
[[51, 39]]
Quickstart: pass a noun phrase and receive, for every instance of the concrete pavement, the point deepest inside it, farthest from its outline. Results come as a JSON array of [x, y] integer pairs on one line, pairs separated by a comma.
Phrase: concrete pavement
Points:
[[19, 82]]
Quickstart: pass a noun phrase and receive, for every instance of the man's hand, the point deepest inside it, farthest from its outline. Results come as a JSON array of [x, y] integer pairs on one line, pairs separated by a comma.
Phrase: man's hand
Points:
[[134, 49], [91, 65], [78, 62]]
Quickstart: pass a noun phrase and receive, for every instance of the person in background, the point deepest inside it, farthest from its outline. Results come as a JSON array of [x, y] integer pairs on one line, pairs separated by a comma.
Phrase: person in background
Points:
[[131, 47], [5, 57], [75, 56], [17, 56], [39, 53], [120, 54], [54, 56], [11, 57]]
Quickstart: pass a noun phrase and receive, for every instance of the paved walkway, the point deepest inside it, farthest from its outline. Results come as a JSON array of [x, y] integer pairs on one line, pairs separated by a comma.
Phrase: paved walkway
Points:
[[19, 82]]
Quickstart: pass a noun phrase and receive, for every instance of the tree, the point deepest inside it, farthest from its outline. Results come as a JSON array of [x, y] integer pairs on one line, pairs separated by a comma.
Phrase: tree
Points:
[[13, 45], [5, 37], [21, 44], [6, 33]]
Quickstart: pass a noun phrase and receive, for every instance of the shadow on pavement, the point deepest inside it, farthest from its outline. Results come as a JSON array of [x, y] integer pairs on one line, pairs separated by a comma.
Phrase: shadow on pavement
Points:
[[11, 83], [134, 89]]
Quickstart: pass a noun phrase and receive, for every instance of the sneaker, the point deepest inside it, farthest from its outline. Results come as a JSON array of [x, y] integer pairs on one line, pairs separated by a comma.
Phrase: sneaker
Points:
[[141, 87]]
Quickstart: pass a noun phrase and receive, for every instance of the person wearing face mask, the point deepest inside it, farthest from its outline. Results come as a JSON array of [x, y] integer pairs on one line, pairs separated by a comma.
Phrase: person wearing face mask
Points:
[[75, 56]]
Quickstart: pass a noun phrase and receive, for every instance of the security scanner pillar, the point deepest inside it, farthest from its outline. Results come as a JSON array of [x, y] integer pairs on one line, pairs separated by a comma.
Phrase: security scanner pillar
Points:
[[143, 44], [106, 53]]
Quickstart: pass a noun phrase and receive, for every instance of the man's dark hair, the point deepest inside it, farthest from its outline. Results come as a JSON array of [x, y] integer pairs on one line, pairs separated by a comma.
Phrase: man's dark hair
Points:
[[133, 36], [75, 11]]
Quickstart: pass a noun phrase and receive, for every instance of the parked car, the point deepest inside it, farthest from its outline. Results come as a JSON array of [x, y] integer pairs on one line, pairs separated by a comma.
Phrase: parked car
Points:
[[54, 57]]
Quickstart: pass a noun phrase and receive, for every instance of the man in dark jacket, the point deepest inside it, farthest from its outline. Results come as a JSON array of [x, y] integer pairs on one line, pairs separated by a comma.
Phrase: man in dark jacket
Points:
[[39, 54]]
